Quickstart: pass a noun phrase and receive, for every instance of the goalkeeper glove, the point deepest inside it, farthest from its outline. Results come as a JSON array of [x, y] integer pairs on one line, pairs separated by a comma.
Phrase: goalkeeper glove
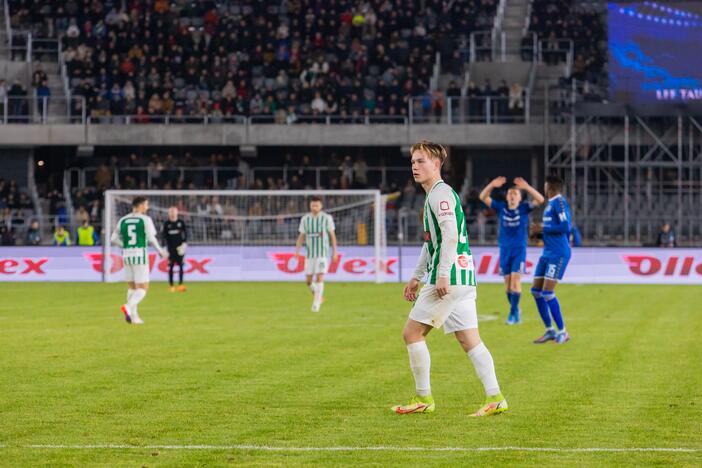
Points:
[[181, 249]]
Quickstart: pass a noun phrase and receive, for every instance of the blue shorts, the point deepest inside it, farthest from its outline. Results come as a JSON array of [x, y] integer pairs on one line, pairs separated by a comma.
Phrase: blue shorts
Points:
[[551, 268], [512, 261]]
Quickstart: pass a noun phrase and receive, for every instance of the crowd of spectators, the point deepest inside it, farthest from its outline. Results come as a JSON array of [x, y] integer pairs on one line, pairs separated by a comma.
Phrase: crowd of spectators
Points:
[[287, 59], [17, 214]]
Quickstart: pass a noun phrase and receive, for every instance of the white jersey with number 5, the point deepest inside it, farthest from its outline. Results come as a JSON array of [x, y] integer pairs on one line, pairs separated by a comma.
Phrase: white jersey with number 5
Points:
[[133, 232]]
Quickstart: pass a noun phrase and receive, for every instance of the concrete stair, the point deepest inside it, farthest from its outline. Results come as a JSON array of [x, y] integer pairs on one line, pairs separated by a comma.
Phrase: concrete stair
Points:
[[58, 107], [546, 75], [512, 25]]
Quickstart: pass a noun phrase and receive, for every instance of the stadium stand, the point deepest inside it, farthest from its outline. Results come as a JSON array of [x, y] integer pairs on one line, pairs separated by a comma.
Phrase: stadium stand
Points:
[[280, 61]]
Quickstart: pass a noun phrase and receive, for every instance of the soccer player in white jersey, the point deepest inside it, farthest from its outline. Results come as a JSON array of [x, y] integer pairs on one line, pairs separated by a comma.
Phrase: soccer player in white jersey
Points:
[[317, 232], [132, 233], [448, 297]]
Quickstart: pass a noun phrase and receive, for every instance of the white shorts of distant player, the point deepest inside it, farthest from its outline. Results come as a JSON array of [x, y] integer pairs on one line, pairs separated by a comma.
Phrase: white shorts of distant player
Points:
[[139, 274], [455, 312], [316, 266]]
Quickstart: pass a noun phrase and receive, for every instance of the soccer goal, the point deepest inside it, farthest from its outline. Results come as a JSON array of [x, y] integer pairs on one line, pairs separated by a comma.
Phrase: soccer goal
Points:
[[246, 232]]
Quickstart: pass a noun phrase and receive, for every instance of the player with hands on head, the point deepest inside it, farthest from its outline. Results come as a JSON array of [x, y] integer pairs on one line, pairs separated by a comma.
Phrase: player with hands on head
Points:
[[513, 220]]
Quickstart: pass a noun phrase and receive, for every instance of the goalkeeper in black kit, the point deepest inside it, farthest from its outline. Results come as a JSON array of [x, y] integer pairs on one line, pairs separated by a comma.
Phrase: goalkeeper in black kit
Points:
[[175, 235]]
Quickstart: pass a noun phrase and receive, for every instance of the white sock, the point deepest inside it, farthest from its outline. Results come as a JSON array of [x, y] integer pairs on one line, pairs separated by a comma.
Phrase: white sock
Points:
[[136, 298], [134, 310], [319, 292], [420, 363], [485, 368], [313, 287]]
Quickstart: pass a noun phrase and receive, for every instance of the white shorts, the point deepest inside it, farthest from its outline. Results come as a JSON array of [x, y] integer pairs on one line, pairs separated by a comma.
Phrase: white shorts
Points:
[[136, 273], [455, 312], [316, 266]]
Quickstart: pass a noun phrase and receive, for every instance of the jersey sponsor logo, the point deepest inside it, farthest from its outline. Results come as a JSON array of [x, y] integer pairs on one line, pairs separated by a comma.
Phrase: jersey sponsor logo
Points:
[[445, 209], [463, 261], [22, 266], [289, 264]]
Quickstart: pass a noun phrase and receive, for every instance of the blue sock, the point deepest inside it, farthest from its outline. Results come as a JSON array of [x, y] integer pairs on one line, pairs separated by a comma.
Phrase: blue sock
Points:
[[555, 308], [509, 299], [542, 306], [514, 302]]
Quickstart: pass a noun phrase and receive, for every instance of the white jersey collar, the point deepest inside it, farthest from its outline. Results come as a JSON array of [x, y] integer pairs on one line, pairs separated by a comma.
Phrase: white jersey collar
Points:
[[435, 184]]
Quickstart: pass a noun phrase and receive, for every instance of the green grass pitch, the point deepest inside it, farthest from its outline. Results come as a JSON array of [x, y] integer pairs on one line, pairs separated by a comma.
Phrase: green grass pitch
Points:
[[232, 364]]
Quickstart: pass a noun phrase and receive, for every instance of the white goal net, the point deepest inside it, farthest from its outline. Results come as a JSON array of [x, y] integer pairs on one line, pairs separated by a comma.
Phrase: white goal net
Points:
[[253, 219]]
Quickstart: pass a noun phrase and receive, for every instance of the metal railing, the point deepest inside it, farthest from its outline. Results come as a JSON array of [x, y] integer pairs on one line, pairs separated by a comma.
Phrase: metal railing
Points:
[[81, 178], [8, 23], [36, 110], [20, 223], [435, 108], [358, 119], [436, 72], [472, 110], [63, 70], [558, 50], [18, 46], [482, 46], [499, 15]]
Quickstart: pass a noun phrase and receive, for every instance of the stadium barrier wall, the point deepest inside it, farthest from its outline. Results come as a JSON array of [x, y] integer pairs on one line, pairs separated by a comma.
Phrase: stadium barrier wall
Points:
[[587, 265]]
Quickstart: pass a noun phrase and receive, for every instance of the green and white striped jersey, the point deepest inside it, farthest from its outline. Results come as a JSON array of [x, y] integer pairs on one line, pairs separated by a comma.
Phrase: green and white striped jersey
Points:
[[316, 230], [446, 251], [133, 232]]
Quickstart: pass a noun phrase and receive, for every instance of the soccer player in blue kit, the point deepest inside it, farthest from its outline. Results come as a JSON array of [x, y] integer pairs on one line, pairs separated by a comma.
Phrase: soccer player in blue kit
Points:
[[557, 224], [513, 215]]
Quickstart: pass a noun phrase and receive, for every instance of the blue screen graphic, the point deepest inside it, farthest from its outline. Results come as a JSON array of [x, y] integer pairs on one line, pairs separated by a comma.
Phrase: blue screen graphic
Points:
[[655, 52]]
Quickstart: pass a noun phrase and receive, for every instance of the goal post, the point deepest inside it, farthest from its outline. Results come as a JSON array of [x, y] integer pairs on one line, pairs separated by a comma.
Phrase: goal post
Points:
[[254, 219]]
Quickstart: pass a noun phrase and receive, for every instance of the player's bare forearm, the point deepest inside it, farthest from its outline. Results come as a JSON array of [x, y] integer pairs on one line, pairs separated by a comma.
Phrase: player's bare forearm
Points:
[[332, 239], [421, 268], [494, 183], [298, 244], [522, 184], [116, 240]]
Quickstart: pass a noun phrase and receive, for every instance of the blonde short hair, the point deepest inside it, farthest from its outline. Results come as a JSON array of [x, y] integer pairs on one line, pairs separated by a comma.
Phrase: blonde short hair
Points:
[[434, 150]]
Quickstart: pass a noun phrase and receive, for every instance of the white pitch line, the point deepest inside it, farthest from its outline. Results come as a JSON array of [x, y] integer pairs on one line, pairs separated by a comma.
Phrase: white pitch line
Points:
[[381, 448]]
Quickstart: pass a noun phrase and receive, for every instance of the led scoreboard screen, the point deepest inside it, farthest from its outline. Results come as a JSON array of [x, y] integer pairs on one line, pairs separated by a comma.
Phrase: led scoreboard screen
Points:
[[655, 52]]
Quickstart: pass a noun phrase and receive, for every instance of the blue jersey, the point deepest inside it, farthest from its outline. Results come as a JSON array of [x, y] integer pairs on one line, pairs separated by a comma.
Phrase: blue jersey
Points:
[[557, 227], [514, 224]]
